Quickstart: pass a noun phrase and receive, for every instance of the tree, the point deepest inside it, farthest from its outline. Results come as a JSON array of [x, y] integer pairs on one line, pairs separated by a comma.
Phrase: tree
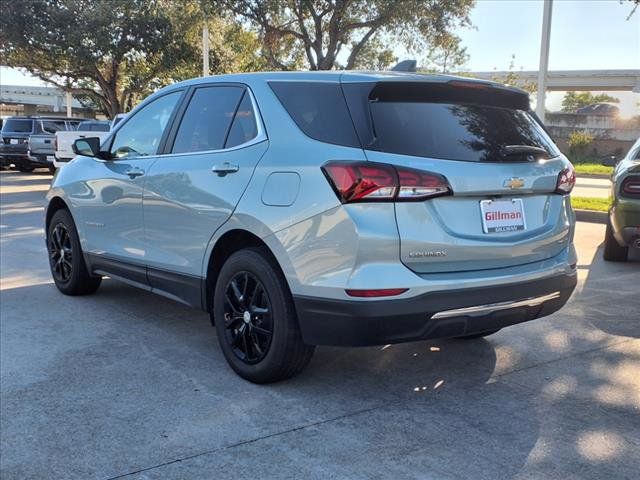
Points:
[[323, 29], [447, 55], [572, 101], [374, 56], [232, 48], [636, 4], [111, 53]]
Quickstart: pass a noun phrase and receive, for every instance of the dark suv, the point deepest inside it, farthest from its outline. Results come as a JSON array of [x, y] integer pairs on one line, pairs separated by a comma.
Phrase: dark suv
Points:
[[14, 139]]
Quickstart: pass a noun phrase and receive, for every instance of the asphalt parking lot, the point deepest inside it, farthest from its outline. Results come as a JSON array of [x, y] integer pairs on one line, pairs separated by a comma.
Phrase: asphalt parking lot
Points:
[[127, 384]]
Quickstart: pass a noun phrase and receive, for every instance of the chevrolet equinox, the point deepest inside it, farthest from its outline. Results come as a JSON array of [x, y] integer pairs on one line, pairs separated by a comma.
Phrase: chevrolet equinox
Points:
[[323, 208]]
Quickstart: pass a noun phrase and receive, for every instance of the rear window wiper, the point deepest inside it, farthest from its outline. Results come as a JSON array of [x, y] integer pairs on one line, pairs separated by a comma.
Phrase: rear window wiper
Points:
[[508, 150]]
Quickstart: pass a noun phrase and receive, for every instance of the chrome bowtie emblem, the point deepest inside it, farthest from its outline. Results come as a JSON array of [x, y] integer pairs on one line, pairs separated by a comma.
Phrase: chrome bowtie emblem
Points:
[[513, 183]]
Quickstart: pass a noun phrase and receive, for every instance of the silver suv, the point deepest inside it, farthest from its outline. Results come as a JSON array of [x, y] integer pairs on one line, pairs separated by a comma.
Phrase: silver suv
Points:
[[305, 209]]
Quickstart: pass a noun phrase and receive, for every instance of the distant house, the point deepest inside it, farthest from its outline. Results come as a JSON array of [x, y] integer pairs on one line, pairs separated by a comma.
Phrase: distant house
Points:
[[604, 109]]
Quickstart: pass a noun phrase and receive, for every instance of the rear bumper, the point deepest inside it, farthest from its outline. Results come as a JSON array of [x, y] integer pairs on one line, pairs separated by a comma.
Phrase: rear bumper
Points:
[[432, 315], [625, 219], [24, 160], [16, 158]]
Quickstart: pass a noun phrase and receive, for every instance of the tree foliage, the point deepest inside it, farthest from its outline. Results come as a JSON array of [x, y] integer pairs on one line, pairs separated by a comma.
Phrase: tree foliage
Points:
[[112, 53], [572, 101], [324, 29], [373, 56], [446, 56]]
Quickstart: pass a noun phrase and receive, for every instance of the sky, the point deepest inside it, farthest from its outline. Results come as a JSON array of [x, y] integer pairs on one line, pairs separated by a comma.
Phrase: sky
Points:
[[585, 35]]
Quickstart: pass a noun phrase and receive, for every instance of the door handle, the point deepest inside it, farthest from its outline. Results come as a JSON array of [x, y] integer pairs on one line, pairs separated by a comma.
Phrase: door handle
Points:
[[225, 168], [134, 172]]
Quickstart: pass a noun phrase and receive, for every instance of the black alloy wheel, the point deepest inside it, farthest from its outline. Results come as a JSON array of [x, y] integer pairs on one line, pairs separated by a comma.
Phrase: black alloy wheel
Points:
[[61, 253], [247, 318], [68, 267], [255, 318]]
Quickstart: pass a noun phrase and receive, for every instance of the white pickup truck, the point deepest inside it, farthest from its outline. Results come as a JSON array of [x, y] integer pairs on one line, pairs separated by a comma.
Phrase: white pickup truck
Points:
[[64, 140]]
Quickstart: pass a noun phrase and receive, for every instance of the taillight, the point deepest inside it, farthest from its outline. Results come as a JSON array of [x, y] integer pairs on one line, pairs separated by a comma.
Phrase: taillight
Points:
[[381, 182], [631, 187], [566, 180]]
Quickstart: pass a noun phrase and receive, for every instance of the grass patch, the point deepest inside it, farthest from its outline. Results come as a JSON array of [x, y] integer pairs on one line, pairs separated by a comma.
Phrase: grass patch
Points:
[[592, 169], [591, 203]]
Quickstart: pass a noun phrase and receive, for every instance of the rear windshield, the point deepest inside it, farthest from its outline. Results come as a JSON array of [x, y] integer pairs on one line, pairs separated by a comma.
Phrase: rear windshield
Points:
[[467, 132], [17, 126], [93, 127]]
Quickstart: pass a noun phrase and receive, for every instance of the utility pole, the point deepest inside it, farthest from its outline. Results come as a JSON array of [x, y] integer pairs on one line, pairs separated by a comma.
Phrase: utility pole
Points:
[[205, 49], [544, 59], [69, 99]]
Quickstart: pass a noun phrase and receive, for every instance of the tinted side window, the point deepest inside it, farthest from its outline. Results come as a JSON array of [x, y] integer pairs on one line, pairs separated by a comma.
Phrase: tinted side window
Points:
[[206, 121], [319, 110], [53, 126], [141, 134], [244, 126]]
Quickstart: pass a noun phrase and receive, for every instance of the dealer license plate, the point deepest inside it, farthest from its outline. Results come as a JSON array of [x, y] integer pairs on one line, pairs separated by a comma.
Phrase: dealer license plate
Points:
[[502, 215]]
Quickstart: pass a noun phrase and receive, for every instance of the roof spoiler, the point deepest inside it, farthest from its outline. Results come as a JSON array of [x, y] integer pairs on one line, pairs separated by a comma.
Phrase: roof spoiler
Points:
[[405, 66]]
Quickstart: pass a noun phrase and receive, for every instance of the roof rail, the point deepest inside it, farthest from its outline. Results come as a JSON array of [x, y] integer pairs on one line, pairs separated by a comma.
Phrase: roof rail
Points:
[[405, 66]]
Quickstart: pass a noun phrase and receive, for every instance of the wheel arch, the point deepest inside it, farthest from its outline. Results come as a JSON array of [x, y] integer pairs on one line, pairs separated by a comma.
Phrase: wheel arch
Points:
[[230, 242], [55, 204]]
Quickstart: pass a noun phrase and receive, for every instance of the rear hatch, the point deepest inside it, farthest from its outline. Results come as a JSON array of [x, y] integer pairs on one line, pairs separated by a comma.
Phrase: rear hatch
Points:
[[15, 135], [503, 210]]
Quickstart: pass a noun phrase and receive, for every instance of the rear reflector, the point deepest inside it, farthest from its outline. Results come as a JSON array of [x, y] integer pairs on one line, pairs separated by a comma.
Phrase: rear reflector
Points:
[[385, 292], [566, 180], [381, 182]]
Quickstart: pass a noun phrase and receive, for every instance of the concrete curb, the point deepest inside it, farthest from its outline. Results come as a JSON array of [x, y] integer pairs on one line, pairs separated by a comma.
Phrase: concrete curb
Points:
[[602, 176], [591, 216]]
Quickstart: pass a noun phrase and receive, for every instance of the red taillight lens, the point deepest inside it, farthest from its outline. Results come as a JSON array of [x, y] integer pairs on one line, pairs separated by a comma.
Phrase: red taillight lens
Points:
[[381, 182], [566, 180], [417, 185], [382, 292], [362, 181], [631, 187]]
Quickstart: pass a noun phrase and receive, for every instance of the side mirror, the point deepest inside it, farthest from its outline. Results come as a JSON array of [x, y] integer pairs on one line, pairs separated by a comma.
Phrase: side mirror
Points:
[[88, 146], [610, 161]]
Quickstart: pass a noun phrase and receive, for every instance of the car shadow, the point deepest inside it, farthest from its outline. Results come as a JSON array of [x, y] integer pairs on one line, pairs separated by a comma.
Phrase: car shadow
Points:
[[611, 293], [130, 354]]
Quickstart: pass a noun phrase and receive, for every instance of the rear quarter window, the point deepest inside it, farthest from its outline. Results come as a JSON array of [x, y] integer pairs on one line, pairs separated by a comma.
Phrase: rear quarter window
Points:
[[319, 110], [53, 126]]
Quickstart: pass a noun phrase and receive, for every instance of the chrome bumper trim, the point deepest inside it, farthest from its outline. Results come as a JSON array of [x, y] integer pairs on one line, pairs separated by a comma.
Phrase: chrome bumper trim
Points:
[[480, 310]]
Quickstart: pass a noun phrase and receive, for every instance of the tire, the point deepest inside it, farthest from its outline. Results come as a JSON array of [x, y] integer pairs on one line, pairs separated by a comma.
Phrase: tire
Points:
[[473, 336], [26, 169], [52, 169], [66, 261], [256, 321], [613, 252]]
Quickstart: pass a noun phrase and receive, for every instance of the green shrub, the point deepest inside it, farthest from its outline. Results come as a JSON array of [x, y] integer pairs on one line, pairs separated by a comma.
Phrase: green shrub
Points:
[[580, 142]]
